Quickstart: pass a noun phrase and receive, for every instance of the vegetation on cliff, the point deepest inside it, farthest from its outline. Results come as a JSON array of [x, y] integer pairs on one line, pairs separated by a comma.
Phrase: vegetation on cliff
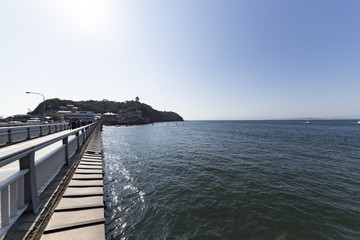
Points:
[[53, 105]]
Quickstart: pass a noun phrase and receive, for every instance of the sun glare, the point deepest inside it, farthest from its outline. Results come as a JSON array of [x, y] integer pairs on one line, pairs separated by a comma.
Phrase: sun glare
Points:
[[85, 17]]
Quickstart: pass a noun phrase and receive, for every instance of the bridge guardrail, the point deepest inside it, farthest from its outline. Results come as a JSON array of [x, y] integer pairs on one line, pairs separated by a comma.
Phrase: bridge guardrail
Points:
[[9, 135], [22, 189]]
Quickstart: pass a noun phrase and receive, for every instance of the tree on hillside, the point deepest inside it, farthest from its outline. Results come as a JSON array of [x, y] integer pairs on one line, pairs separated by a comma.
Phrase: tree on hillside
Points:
[[55, 117]]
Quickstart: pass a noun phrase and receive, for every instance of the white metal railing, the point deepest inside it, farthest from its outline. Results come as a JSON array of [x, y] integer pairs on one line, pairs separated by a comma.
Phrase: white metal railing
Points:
[[46, 170], [21, 190], [9, 135]]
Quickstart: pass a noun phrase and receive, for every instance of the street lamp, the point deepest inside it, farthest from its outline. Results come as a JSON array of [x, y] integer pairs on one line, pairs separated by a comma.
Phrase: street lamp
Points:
[[43, 114]]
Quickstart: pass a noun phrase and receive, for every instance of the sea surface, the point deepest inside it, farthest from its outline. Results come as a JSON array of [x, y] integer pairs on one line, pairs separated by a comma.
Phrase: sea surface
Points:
[[233, 180]]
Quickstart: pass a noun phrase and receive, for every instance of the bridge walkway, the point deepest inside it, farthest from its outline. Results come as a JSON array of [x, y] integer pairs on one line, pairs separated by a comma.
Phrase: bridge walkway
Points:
[[80, 212]]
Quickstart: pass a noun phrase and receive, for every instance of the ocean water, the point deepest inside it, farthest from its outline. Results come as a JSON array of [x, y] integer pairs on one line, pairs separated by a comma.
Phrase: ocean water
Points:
[[233, 180]]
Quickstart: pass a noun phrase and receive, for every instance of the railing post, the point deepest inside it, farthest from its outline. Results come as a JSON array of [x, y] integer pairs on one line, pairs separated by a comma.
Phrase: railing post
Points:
[[56, 128], [21, 197], [78, 140], [13, 198], [5, 206], [83, 134], [28, 133], [31, 194], [41, 131], [10, 135], [49, 130], [66, 143]]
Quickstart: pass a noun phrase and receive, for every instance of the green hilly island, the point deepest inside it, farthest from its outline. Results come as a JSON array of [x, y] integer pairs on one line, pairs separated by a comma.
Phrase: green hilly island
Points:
[[105, 106]]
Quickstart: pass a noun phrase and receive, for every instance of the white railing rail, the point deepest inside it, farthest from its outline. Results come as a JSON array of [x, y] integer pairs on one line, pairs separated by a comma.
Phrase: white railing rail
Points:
[[22, 189], [9, 135]]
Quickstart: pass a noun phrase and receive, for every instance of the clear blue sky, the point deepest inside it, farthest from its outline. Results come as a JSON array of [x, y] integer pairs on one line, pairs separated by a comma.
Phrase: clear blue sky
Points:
[[204, 59]]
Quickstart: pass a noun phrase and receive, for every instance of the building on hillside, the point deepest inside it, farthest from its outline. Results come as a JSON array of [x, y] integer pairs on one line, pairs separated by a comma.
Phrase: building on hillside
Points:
[[68, 108], [87, 116], [60, 113], [131, 116], [109, 118], [126, 115]]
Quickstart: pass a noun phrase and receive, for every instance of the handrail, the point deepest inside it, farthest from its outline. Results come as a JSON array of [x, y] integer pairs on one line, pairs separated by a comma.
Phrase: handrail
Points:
[[44, 158], [13, 156], [13, 134], [13, 178], [32, 126]]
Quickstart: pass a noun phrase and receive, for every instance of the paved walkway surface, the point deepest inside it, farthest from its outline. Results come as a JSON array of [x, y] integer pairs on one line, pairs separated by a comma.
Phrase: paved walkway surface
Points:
[[80, 212]]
